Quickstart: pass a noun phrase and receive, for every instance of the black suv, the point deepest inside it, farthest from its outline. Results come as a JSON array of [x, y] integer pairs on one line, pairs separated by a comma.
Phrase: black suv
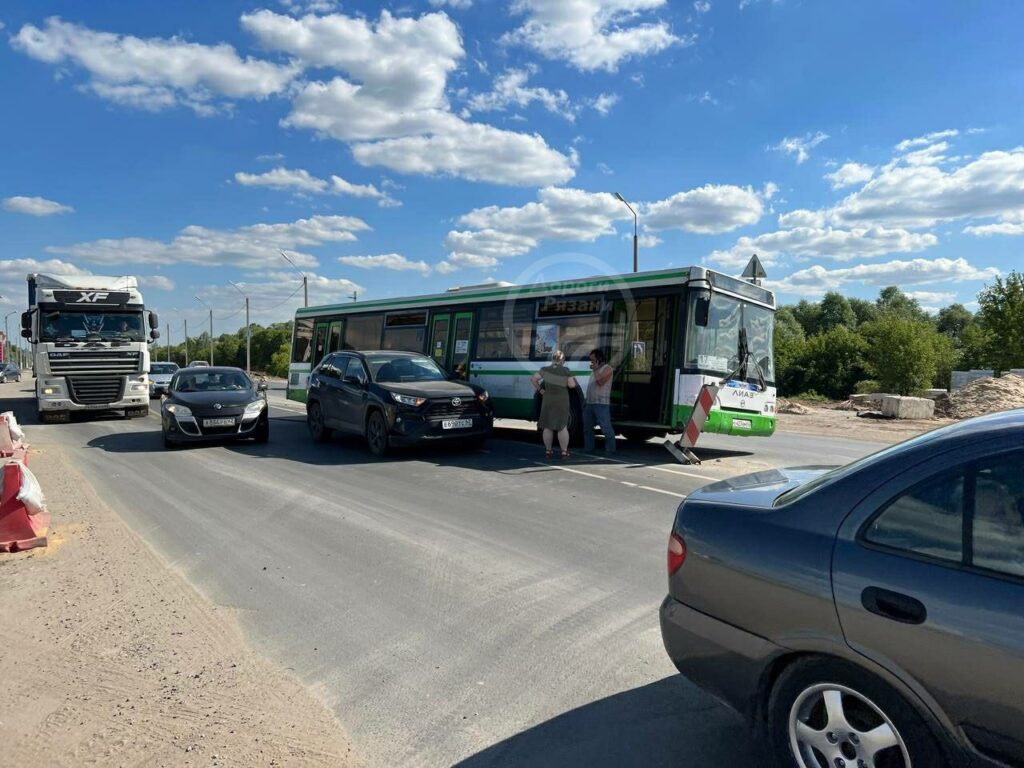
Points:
[[394, 399]]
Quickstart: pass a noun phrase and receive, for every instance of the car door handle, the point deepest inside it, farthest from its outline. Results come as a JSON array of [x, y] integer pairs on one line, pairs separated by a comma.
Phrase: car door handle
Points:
[[893, 605]]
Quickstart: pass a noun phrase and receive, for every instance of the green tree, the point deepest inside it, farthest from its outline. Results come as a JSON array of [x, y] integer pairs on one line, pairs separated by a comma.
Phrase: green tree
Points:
[[1001, 314], [279, 361], [789, 341], [808, 314], [835, 311], [864, 310], [902, 353], [953, 321], [831, 363], [893, 301]]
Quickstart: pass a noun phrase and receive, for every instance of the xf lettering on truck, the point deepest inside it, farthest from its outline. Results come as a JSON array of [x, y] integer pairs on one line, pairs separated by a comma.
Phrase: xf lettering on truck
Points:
[[91, 297]]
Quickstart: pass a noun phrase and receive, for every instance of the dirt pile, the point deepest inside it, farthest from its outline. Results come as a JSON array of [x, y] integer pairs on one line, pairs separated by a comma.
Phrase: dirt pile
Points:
[[982, 396], [788, 406]]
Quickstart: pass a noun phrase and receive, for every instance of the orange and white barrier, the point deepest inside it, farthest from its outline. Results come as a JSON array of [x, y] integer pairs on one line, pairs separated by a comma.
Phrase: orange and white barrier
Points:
[[12, 439], [24, 520], [683, 449]]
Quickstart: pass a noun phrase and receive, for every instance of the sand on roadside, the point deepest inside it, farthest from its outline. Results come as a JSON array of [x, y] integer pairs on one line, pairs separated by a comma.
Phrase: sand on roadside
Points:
[[109, 657]]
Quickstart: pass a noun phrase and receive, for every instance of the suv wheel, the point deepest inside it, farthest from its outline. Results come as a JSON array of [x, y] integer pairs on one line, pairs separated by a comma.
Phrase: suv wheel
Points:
[[377, 434], [315, 420], [829, 713]]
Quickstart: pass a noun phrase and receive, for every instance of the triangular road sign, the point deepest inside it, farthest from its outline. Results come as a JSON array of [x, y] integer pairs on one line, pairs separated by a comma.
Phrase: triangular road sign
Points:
[[754, 270]]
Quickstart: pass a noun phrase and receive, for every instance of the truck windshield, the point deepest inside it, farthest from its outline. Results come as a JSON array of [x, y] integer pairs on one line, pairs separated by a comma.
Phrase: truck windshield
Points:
[[96, 326], [715, 347]]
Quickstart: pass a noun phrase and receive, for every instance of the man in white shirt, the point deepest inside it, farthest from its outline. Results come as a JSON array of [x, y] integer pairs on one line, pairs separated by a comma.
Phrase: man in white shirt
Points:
[[598, 407]]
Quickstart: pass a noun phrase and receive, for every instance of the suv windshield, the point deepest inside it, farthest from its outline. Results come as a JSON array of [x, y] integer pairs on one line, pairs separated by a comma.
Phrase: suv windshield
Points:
[[403, 368], [100, 326], [162, 369], [212, 381]]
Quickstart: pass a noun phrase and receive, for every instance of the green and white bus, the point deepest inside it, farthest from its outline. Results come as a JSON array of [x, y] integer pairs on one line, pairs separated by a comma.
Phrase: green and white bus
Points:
[[665, 333]]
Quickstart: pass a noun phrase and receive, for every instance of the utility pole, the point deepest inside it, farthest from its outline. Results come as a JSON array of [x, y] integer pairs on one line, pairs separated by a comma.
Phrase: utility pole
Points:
[[168, 342], [186, 341], [211, 325], [354, 296], [636, 239], [248, 332], [305, 281], [7, 338]]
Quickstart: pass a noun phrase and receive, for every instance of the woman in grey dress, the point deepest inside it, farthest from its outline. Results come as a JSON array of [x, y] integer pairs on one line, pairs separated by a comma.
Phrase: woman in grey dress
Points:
[[554, 406]]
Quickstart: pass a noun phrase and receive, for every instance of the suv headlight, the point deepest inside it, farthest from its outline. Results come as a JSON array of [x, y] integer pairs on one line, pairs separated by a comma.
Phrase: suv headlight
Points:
[[255, 408], [415, 402], [180, 411], [482, 397]]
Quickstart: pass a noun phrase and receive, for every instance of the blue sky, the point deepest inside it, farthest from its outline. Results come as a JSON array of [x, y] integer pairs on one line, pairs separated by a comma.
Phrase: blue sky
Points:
[[406, 147]]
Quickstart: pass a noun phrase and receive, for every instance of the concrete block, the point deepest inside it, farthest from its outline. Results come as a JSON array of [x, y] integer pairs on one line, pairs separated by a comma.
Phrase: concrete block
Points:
[[897, 407], [962, 378], [1017, 372], [932, 394]]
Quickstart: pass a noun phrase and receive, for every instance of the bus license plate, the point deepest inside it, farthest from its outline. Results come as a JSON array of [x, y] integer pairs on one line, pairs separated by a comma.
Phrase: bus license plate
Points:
[[742, 423], [456, 424], [218, 422]]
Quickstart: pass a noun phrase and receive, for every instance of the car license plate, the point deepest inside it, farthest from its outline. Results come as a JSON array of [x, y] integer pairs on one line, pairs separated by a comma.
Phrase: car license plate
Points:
[[230, 422], [456, 424]]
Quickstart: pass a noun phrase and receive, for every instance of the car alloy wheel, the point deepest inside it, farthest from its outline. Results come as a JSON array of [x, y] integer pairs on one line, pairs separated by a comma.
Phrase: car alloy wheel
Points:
[[377, 434], [315, 421], [835, 726]]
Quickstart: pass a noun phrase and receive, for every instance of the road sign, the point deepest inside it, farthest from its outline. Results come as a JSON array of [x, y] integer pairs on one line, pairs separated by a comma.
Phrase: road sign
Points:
[[754, 270]]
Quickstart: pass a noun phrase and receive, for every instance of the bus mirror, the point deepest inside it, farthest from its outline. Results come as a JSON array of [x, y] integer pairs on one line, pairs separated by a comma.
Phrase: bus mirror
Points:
[[702, 309]]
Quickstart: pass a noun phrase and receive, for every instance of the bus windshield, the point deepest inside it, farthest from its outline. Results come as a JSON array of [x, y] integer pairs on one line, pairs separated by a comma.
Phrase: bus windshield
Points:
[[715, 347], [95, 326]]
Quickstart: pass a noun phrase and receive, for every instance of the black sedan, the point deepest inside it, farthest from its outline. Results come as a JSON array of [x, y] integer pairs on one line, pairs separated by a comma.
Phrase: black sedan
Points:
[[394, 399], [214, 403], [870, 616]]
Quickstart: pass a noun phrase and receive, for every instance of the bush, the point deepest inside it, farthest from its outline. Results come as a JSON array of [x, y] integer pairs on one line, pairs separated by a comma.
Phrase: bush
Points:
[[902, 353], [867, 387], [830, 363], [810, 396]]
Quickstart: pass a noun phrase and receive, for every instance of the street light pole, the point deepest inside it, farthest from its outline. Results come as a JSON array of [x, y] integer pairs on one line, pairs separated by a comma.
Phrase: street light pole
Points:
[[168, 342], [248, 332], [305, 281], [636, 239], [211, 325], [7, 337]]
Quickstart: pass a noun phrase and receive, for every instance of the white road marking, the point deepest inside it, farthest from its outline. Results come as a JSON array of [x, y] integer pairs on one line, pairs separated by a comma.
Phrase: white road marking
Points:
[[681, 472], [626, 482], [569, 469], [667, 493]]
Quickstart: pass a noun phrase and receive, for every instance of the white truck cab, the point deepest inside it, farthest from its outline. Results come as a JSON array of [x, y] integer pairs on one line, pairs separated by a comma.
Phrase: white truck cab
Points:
[[90, 340]]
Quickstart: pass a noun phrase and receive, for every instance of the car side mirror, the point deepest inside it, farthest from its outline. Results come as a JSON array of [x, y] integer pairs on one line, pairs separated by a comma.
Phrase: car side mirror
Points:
[[262, 387], [355, 381]]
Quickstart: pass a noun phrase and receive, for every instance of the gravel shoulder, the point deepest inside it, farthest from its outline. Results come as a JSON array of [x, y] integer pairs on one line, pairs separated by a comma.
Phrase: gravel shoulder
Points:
[[109, 656], [832, 422]]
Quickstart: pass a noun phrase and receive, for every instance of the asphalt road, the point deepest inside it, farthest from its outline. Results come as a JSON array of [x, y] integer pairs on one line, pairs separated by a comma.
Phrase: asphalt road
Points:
[[482, 608]]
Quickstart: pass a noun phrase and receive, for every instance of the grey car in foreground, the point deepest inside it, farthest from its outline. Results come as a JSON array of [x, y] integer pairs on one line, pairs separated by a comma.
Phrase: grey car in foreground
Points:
[[866, 616]]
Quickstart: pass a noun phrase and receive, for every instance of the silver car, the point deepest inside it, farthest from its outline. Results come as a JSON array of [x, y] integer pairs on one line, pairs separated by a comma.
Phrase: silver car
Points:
[[866, 616], [160, 375]]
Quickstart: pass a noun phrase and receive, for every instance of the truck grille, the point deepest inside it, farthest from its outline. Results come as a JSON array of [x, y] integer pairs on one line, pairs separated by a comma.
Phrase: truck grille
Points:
[[108, 361], [95, 390]]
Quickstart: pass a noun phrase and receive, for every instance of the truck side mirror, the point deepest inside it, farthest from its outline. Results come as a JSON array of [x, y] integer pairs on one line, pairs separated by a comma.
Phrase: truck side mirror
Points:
[[154, 321], [26, 333], [26, 322], [154, 334]]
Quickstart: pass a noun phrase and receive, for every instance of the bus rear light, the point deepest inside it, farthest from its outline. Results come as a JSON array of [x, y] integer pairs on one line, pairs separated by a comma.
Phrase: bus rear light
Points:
[[676, 553]]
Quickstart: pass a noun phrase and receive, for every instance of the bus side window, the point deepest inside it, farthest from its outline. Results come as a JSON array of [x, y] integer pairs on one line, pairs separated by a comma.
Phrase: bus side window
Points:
[[702, 309]]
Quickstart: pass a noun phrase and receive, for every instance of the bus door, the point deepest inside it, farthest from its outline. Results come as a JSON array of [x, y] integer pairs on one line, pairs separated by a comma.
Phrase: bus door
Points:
[[334, 336], [319, 343], [641, 354], [449, 342]]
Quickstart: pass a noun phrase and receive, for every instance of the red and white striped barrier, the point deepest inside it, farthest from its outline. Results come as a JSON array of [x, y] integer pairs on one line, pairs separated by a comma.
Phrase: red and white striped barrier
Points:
[[682, 449], [24, 520], [12, 439]]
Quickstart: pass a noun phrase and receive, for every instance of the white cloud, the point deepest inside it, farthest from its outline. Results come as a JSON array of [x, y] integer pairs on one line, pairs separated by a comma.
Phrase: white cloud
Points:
[[711, 209], [270, 157], [837, 244], [156, 281], [274, 297], [849, 175], [486, 235], [510, 89], [34, 206], [802, 218], [13, 271], [392, 107], [473, 151], [936, 298], [153, 73], [922, 195], [283, 178], [644, 240], [253, 247], [392, 261], [1003, 228], [930, 155], [592, 34], [930, 138], [457, 4], [300, 180], [604, 103], [800, 146], [817, 280], [702, 6], [704, 98]]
